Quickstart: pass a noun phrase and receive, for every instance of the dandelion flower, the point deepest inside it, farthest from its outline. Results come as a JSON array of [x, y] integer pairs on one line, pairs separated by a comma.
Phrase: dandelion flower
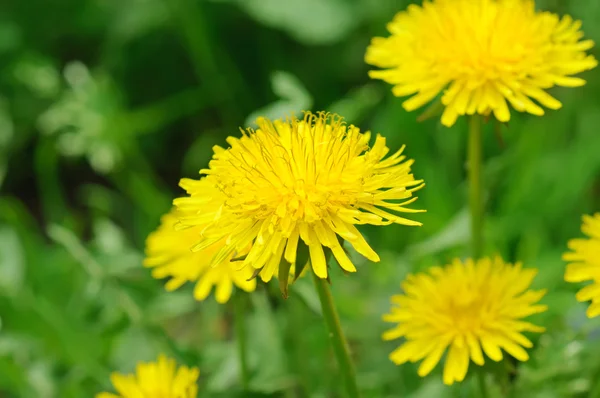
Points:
[[469, 308], [480, 54], [584, 263], [168, 252], [299, 186], [155, 379]]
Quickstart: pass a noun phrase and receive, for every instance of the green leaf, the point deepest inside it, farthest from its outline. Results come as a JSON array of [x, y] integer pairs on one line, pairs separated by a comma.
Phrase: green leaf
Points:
[[284, 277], [168, 305], [304, 288], [357, 104], [267, 348], [308, 21], [12, 261], [294, 98], [302, 258], [133, 345], [456, 232]]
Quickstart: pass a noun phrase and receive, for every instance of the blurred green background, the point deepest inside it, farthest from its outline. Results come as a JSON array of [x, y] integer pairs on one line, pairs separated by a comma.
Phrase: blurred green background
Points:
[[105, 104]]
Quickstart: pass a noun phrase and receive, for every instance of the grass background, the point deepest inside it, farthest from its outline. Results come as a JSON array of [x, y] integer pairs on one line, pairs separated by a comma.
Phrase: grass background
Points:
[[105, 104]]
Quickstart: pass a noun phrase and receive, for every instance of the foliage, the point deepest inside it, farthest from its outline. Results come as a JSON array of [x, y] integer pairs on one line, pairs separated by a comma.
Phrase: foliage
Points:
[[105, 104]]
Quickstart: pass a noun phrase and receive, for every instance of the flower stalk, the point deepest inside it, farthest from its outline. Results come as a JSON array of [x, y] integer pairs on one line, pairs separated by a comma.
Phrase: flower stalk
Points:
[[336, 335], [474, 155], [475, 188]]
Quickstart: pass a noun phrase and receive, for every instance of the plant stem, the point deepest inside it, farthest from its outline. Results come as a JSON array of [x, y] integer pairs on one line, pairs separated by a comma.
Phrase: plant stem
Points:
[[240, 330], [475, 191], [482, 385], [338, 340], [476, 208]]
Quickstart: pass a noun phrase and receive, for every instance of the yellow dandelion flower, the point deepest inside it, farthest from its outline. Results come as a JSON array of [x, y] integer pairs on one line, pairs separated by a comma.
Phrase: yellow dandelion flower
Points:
[[480, 54], [297, 186], [168, 252], [585, 263], [155, 379], [469, 308]]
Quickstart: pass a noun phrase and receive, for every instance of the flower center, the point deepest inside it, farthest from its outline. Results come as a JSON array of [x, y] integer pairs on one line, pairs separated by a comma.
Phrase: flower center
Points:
[[494, 43], [306, 202], [466, 310]]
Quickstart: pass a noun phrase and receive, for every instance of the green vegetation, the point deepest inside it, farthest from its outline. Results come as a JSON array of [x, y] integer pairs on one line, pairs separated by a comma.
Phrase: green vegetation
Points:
[[105, 104]]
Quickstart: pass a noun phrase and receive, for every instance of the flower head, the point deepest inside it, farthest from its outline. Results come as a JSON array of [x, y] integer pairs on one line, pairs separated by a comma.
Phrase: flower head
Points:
[[480, 54], [584, 263], [294, 188], [464, 307], [155, 379], [168, 252]]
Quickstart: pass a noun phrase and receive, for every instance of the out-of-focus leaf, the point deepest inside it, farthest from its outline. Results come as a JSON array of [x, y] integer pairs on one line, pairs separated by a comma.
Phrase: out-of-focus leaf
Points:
[[200, 152], [287, 86], [113, 250], [154, 117], [308, 21], [15, 213], [10, 36], [294, 98], [73, 245], [433, 388], [52, 192], [39, 75], [6, 136], [6, 126], [558, 364], [108, 237], [357, 103], [12, 261], [135, 18], [456, 232], [133, 345], [100, 198], [304, 288], [69, 336], [226, 372], [265, 344], [3, 170], [15, 378], [167, 305], [41, 379], [82, 117]]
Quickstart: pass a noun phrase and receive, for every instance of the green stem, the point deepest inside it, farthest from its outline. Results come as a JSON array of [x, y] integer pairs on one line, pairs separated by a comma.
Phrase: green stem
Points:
[[476, 208], [475, 191], [338, 340], [482, 385], [240, 330]]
